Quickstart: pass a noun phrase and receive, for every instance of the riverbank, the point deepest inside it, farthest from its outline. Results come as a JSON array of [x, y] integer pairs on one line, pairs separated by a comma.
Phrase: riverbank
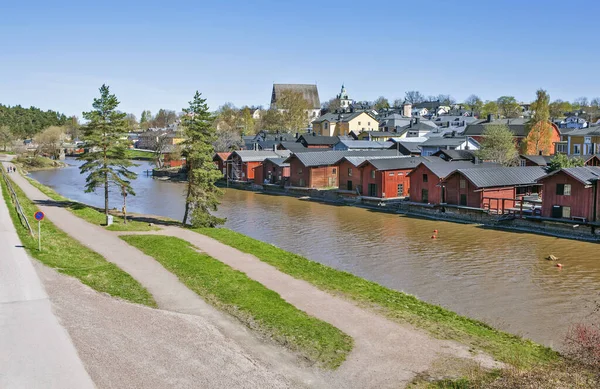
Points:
[[37, 163], [454, 214]]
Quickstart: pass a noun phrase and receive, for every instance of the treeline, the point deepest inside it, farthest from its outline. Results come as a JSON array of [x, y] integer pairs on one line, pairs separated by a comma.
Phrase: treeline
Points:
[[27, 122]]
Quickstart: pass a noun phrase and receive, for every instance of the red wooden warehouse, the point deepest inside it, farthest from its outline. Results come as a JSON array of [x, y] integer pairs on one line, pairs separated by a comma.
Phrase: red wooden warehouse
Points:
[[492, 188], [572, 193], [387, 178]]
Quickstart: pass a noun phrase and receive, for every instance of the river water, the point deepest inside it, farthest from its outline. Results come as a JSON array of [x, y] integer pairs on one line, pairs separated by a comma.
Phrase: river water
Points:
[[499, 277]]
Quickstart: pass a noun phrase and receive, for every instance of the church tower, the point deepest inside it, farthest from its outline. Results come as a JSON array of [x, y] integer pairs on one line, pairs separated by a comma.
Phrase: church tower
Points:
[[345, 101]]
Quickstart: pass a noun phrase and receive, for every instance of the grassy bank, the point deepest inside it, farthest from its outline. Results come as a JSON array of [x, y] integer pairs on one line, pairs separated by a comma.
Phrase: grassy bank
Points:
[[396, 305], [70, 257], [139, 155], [258, 307], [90, 214], [37, 163]]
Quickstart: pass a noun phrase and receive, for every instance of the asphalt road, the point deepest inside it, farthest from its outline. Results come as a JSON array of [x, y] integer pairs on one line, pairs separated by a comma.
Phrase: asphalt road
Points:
[[35, 350]]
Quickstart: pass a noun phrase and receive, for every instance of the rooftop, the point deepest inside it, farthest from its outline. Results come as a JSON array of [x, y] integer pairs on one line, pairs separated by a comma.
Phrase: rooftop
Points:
[[584, 174], [259, 155], [309, 92], [326, 158], [489, 177]]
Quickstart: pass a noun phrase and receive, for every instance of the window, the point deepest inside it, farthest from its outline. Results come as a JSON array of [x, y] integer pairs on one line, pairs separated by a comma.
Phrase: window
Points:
[[368, 123], [561, 147], [523, 162], [400, 190], [424, 195], [576, 149], [301, 182], [424, 177], [359, 123], [300, 171], [326, 124], [372, 173], [566, 212], [587, 139], [334, 171], [463, 184], [563, 189], [391, 174], [349, 172]]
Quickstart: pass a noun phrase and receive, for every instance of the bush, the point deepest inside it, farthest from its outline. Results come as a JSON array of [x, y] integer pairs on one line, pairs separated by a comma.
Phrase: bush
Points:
[[582, 343]]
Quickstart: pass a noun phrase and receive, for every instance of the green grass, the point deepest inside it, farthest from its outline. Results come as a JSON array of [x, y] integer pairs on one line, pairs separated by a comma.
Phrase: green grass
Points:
[[70, 257], [37, 163], [90, 214], [255, 305], [399, 306], [140, 155]]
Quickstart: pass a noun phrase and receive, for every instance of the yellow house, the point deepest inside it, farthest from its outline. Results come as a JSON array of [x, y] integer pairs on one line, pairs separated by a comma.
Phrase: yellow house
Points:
[[341, 124], [584, 141]]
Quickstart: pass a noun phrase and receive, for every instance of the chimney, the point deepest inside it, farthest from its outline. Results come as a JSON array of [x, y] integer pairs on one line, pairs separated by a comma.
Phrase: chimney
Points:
[[314, 134], [490, 118], [407, 109], [274, 147], [453, 133], [417, 120], [296, 135]]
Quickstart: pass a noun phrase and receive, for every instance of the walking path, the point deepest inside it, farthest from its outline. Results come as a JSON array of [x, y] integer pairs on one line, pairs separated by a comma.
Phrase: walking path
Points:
[[168, 292], [35, 350], [386, 354]]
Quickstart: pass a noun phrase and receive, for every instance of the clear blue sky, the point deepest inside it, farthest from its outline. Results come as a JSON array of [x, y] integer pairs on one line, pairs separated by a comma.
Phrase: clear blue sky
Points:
[[156, 54]]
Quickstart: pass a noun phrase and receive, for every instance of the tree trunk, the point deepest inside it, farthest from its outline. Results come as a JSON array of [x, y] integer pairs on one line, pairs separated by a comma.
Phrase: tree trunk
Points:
[[187, 196], [106, 196]]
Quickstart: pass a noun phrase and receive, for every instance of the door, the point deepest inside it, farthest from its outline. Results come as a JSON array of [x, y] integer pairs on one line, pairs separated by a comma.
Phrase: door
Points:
[[424, 195], [463, 199], [557, 211], [372, 190], [349, 185]]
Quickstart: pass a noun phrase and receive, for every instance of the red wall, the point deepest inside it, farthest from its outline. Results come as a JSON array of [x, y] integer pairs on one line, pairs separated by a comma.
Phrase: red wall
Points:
[[296, 176], [417, 184], [488, 198], [390, 183], [323, 176], [580, 200], [258, 174], [344, 177], [276, 172]]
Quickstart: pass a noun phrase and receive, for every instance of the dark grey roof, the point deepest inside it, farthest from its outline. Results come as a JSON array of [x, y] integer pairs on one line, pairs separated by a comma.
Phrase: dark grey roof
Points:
[[356, 161], [380, 134], [503, 176], [589, 131], [516, 125], [365, 144], [330, 157], [294, 147], [259, 155], [442, 168], [456, 155], [319, 140], [427, 104], [441, 141], [309, 92], [583, 174], [278, 161], [412, 147], [540, 160], [403, 162]]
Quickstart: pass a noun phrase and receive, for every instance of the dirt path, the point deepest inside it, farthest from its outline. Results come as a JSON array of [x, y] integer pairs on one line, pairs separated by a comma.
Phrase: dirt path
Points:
[[386, 354]]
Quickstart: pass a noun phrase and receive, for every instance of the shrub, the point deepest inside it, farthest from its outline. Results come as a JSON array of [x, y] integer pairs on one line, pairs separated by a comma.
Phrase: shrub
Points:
[[582, 343]]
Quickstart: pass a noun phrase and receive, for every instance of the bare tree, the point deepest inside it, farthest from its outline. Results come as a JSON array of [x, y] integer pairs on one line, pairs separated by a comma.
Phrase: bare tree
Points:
[[6, 136], [50, 140], [163, 143], [414, 97], [227, 140]]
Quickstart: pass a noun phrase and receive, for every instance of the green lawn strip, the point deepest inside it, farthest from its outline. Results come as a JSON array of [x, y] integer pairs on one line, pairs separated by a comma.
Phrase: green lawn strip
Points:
[[70, 257], [140, 155], [90, 214], [397, 305], [255, 305]]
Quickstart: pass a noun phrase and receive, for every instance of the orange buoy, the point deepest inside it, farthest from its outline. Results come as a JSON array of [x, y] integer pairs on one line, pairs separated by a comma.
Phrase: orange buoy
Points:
[[559, 265], [433, 237], [435, 231]]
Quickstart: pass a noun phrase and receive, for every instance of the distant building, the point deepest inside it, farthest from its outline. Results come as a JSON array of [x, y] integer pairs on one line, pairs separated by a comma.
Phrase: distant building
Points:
[[308, 91], [343, 124], [433, 145], [343, 99]]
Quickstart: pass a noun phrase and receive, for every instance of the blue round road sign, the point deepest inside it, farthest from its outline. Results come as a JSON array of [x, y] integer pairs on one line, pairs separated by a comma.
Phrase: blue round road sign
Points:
[[39, 216]]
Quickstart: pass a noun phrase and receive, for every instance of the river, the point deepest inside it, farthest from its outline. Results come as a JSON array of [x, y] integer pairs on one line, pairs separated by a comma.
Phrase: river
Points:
[[499, 277]]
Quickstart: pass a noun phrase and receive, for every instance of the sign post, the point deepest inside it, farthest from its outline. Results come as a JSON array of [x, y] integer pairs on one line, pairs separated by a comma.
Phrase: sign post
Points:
[[39, 216]]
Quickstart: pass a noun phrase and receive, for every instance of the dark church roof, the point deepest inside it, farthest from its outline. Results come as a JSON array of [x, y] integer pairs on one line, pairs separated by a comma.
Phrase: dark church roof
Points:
[[309, 91]]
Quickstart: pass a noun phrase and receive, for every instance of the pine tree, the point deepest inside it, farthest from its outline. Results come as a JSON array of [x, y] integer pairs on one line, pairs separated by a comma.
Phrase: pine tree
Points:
[[106, 162], [202, 195]]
